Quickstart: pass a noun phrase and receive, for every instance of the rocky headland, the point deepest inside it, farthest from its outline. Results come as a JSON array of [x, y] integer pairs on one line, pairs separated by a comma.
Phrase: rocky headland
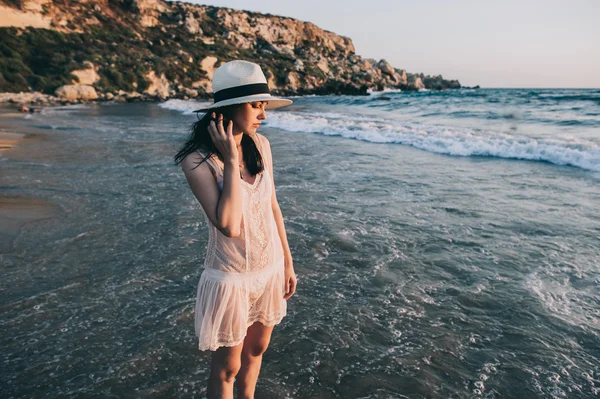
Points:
[[65, 51]]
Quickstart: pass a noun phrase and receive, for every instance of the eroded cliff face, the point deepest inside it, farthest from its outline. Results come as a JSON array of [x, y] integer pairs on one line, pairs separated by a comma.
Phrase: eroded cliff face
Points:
[[171, 49]]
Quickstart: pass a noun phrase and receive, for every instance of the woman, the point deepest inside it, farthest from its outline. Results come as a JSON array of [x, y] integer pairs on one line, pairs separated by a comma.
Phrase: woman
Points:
[[248, 275]]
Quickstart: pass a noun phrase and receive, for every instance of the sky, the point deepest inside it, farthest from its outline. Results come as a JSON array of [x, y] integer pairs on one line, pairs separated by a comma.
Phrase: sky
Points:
[[491, 43]]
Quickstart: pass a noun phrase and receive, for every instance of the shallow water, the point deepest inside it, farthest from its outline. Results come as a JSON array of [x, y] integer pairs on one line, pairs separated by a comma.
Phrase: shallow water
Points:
[[420, 274]]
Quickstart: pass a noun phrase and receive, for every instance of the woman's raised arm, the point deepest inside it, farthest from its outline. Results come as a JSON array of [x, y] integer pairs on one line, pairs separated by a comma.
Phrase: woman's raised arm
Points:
[[223, 208]]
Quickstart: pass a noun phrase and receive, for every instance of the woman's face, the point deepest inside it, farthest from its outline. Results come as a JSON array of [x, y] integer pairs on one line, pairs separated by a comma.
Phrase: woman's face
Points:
[[248, 117]]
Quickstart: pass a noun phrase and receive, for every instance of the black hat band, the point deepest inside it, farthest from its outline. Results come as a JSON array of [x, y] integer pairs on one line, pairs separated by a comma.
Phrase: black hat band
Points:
[[241, 91]]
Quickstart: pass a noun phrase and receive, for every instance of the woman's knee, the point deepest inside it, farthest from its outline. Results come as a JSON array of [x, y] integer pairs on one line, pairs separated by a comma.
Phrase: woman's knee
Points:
[[257, 339], [256, 348], [228, 374], [226, 365], [228, 371]]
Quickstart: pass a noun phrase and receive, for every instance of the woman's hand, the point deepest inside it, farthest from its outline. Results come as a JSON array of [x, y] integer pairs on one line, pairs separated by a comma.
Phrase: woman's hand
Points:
[[223, 139], [290, 280]]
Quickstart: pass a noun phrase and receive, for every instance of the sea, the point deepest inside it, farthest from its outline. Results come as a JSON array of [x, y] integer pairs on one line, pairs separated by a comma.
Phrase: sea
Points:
[[446, 244]]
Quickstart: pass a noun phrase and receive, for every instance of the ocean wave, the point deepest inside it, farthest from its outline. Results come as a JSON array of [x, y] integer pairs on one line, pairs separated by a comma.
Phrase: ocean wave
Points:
[[443, 139], [563, 301], [384, 91], [63, 109], [184, 106], [593, 97]]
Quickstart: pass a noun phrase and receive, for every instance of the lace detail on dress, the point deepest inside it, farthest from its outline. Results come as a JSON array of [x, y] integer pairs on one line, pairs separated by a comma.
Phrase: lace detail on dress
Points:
[[257, 237], [258, 240]]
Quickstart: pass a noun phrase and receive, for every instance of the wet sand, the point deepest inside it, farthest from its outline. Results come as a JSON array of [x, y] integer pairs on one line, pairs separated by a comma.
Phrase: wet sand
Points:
[[9, 140], [17, 211], [16, 133], [9, 131]]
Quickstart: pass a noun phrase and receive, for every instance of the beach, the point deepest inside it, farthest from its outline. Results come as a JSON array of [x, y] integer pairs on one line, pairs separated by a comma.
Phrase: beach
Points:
[[447, 244]]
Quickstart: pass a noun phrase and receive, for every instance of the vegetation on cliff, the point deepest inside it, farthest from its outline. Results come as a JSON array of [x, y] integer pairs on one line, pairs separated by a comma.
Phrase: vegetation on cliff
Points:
[[131, 45]]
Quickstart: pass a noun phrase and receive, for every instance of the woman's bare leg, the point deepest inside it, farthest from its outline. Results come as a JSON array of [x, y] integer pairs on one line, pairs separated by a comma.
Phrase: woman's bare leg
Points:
[[224, 366], [255, 344]]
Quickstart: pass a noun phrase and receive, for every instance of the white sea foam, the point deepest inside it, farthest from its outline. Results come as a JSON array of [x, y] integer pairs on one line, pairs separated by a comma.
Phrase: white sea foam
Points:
[[62, 109], [185, 106], [563, 301], [385, 90], [443, 139]]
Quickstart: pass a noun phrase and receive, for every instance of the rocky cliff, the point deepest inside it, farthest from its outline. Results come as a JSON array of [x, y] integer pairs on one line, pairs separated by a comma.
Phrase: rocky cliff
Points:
[[135, 49]]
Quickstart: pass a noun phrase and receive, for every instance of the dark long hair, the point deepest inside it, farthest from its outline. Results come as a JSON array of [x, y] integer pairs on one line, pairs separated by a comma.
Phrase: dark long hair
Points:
[[200, 139]]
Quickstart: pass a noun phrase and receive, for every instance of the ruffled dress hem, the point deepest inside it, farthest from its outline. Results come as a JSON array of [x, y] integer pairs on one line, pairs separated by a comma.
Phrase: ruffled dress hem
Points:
[[224, 310], [266, 322]]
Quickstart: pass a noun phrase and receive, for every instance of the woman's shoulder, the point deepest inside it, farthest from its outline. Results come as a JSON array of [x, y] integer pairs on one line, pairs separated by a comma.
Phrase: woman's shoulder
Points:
[[197, 166], [191, 159], [194, 160]]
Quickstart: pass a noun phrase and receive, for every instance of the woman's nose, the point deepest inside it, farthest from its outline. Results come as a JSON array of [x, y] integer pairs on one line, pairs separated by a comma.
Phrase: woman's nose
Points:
[[262, 115]]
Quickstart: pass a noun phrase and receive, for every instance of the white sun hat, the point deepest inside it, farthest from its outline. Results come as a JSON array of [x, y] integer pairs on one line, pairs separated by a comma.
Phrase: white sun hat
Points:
[[238, 82]]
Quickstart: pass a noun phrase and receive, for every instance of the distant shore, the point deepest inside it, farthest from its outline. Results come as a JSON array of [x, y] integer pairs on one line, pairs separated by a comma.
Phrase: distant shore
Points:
[[35, 99]]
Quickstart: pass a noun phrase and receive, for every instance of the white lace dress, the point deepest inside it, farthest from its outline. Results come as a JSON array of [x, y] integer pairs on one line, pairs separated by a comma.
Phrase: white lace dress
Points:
[[243, 280]]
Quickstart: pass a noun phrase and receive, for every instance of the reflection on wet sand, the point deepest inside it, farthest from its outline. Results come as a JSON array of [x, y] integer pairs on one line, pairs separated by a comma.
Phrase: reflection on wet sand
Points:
[[15, 212], [9, 140]]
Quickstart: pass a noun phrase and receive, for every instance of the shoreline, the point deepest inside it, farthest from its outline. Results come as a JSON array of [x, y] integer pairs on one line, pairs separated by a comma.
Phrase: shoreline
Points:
[[41, 100]]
